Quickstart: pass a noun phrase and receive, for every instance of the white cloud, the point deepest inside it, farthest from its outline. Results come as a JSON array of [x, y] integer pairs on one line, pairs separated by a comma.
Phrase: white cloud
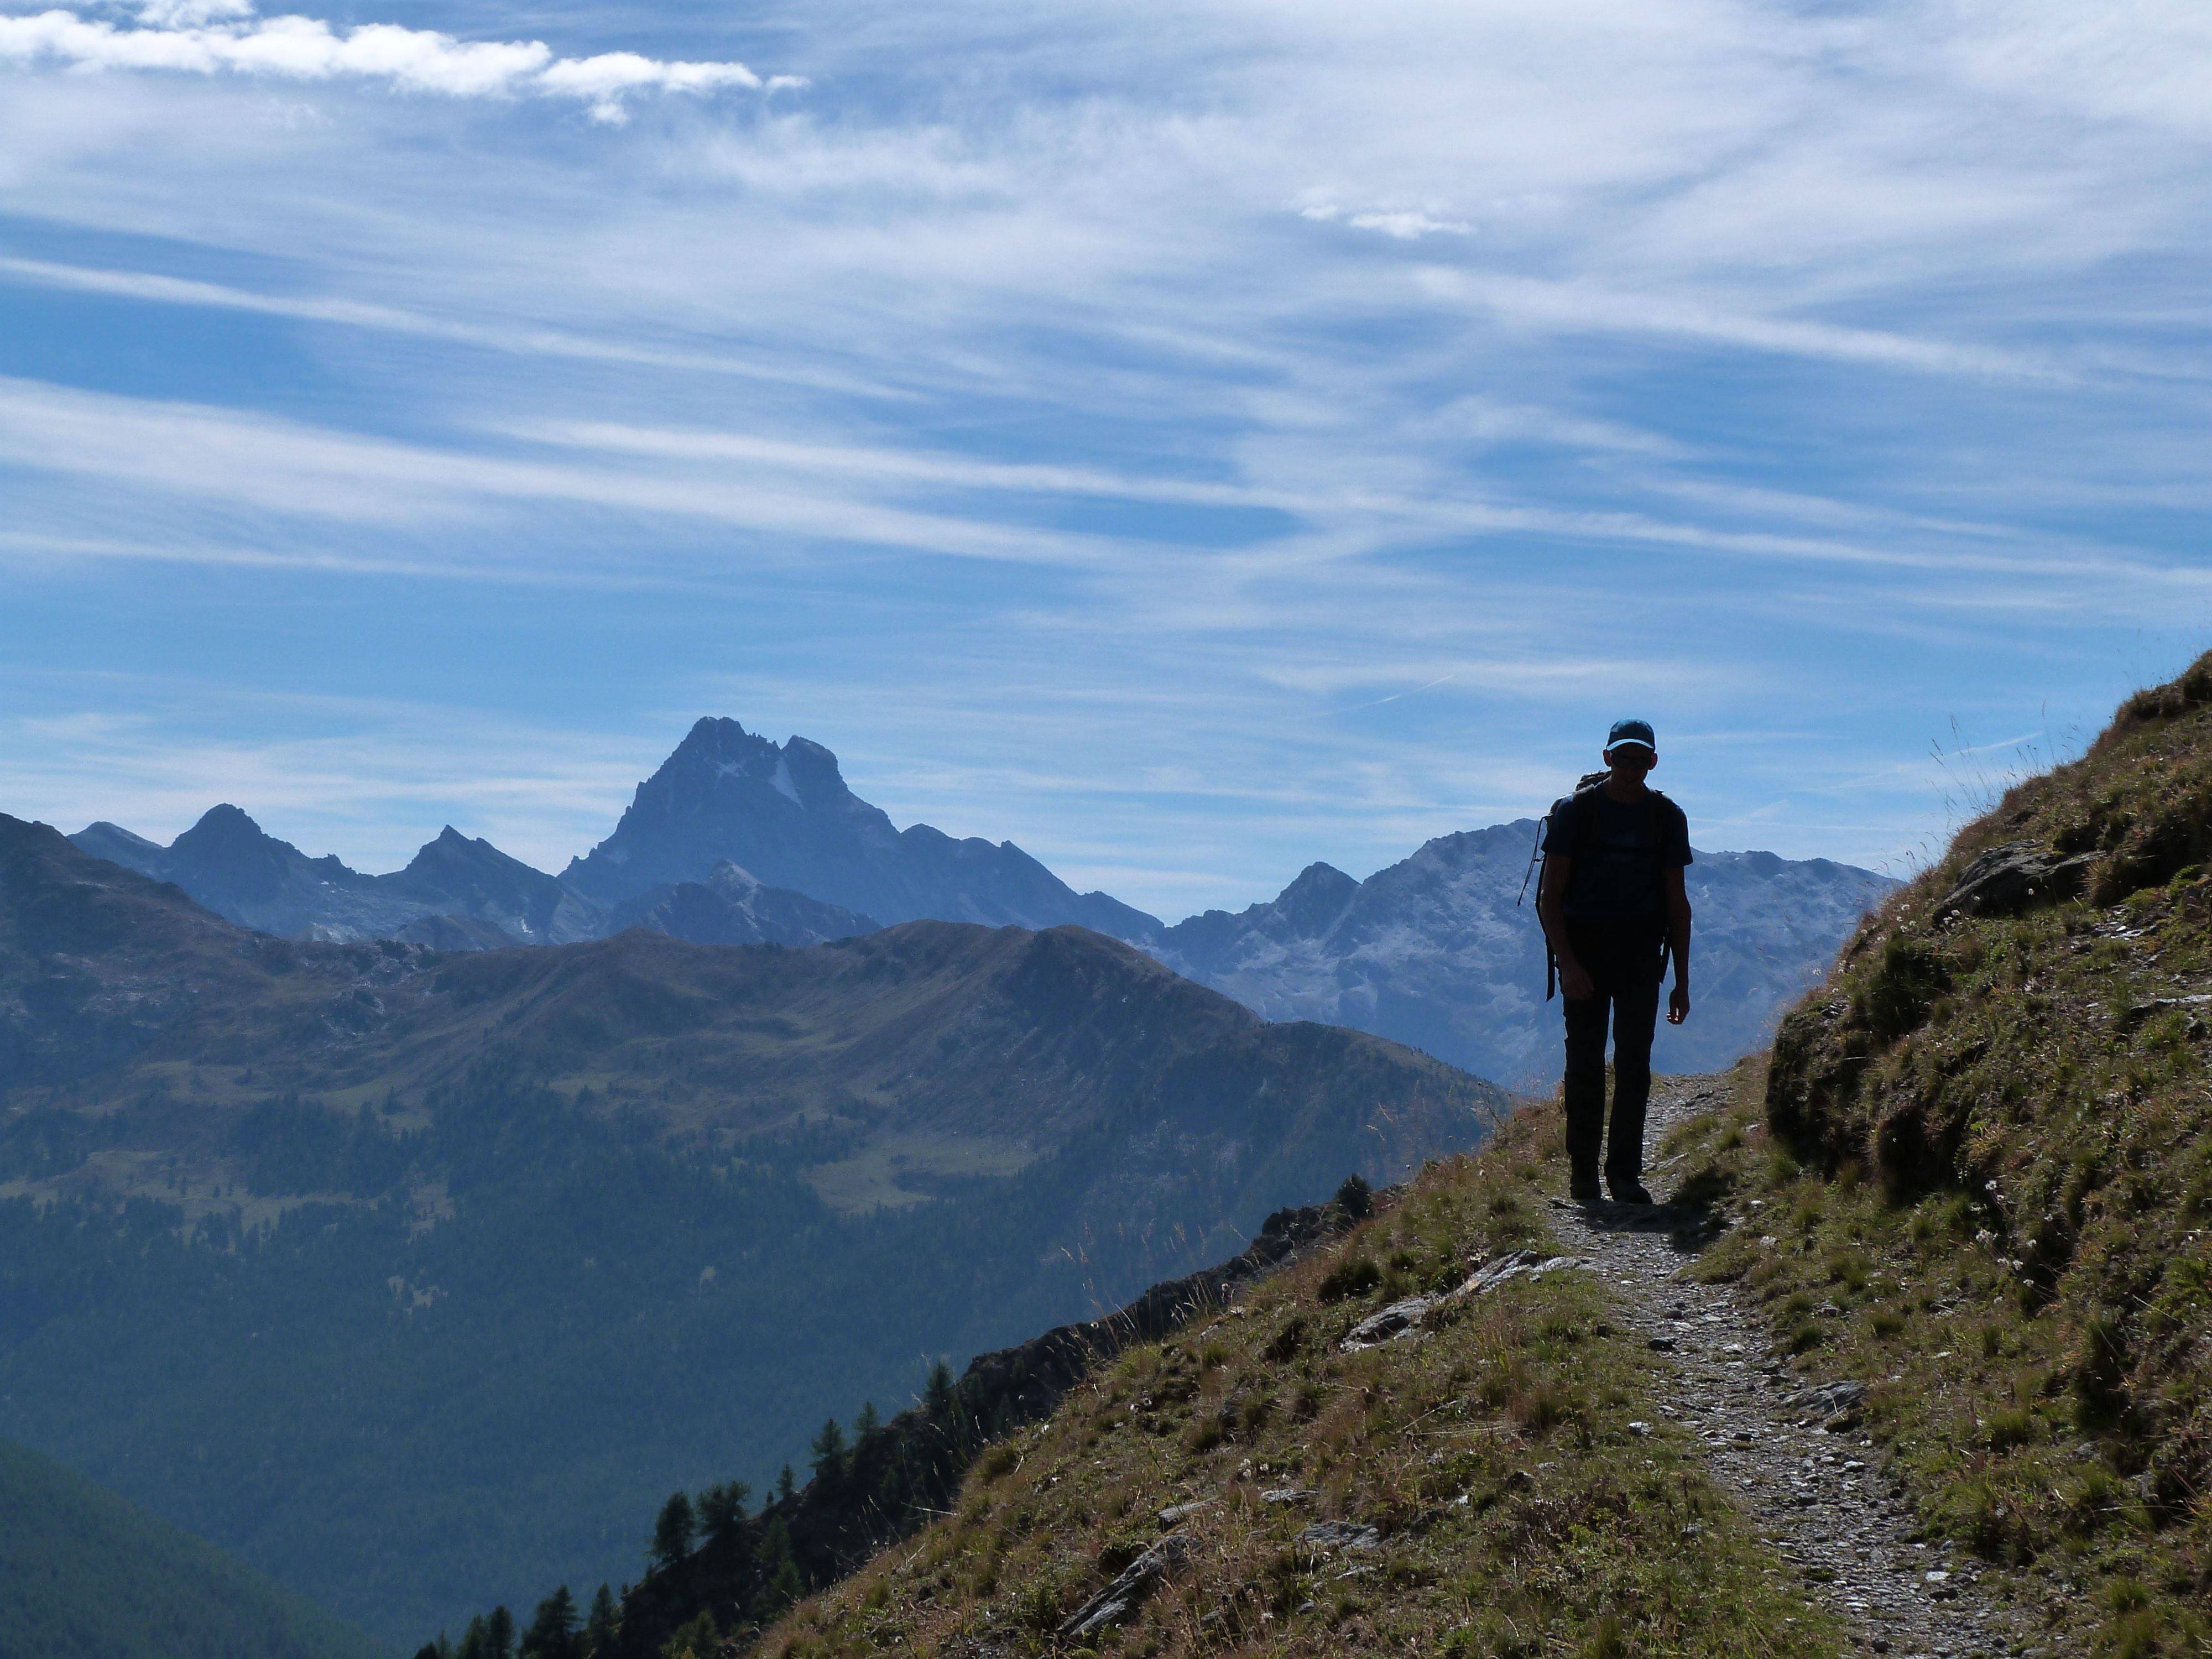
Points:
[[1403, 224], [1408, 225], [211, 37]]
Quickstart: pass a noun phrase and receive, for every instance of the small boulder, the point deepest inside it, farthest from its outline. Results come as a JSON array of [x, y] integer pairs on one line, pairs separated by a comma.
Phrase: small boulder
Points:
[[2016, 877], [1131, 1588], [1399, 1319], [1325, 1535]]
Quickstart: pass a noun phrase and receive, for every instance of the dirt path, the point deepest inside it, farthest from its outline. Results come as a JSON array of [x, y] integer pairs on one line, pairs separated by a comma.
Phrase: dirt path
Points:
[[1792, 1453]]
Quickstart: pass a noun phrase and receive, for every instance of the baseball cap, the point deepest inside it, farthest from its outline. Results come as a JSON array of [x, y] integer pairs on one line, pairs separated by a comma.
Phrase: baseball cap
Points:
[[1628, 732]]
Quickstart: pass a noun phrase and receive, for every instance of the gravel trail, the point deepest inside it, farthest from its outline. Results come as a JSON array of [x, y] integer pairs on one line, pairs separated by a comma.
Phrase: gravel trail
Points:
[[1792, 1452]]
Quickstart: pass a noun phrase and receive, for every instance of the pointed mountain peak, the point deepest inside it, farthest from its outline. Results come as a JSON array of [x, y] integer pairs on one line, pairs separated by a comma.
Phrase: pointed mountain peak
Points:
[[714, 732], [732, 880], [225, 818], [453, 851], [227, 830], [1312, 903], [1319, 878]]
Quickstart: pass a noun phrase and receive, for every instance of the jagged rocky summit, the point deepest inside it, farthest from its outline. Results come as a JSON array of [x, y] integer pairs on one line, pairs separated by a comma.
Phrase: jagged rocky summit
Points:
[[1440, 952], [783, 812], [734, 840], [229, 864], [456, 894]]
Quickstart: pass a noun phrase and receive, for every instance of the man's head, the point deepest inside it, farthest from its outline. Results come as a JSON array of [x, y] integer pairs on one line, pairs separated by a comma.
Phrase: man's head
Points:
[[1630, 747]]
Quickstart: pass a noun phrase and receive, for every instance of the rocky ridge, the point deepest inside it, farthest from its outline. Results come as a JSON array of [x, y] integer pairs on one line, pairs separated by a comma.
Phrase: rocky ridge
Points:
[[1441, 951], [736, 839], [784, 812]]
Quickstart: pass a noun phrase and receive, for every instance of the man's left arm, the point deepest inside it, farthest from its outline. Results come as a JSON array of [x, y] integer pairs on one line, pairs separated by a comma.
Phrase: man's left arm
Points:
[[1678, 943]]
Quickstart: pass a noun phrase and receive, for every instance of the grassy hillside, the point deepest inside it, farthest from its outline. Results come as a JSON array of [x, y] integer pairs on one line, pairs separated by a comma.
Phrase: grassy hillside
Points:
[[1980, 1173], [84, 1575], [413, 1279], [1505, 1485]]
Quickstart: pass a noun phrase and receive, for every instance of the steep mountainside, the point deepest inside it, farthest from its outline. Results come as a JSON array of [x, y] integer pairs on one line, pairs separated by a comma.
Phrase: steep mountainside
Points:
[[1986, 1171], [783, 812], [337, 1254], [1408, 1442], [1435, 952], [85, 1574]]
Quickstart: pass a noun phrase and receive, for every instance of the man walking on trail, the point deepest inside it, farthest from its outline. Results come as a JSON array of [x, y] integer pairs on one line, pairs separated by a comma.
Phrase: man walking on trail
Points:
[[1613, 909]]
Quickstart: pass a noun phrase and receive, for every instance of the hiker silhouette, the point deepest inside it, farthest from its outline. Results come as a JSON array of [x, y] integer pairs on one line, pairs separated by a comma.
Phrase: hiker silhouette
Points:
[[1611, 900]]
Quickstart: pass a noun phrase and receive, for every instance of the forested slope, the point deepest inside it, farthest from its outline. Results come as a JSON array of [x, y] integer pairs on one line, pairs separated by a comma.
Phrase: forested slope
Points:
[[84, 1575], [414, 1278]]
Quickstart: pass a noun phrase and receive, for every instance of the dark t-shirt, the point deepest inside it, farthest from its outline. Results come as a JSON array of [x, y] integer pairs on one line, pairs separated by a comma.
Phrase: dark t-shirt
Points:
[[1623, 850]]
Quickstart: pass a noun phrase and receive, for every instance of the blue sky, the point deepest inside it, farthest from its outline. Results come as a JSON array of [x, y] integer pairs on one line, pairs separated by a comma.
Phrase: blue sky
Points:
[[1188, 440]]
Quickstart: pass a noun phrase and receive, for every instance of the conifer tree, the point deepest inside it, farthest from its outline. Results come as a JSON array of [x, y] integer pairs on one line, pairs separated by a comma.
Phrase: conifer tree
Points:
[[603, 1623], [829, 1450], [722, 1508], [779, 1571], [672, 1532], [552, 1632], [499, 1634], [867, 1425], [476, 1640], [937, 1398], [785, 1485]]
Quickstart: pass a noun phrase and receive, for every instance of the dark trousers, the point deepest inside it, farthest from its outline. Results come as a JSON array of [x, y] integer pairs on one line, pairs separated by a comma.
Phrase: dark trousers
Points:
[[1625, 965]]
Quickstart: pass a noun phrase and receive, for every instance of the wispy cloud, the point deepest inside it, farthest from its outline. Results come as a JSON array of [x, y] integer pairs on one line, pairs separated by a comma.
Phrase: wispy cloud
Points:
[[198, 37], [699, 358], [1096, 423], [1584, 308]]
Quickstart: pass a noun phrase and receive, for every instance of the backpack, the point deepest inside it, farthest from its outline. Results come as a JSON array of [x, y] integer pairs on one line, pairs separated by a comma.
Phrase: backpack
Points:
[[1539, 866]]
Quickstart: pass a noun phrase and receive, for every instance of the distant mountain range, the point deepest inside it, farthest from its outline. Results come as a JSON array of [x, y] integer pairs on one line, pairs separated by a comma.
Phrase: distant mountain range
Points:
[[738, 840], [414, 1277], [1440, 950]]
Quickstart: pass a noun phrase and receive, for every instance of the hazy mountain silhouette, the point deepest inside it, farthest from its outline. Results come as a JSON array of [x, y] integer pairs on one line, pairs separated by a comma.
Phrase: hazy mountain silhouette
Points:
[[783, 812]]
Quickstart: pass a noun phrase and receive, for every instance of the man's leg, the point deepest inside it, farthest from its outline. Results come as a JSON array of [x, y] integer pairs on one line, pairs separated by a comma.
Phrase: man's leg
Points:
[[1585, 1090], [1634, 982]]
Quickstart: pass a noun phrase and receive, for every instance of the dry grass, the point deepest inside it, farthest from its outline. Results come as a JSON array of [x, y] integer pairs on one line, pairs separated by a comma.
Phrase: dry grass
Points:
[[1518, 1511]]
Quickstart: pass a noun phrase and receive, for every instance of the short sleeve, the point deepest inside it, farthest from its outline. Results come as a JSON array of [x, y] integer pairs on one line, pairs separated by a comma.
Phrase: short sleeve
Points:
[[1559, 828], [1676, 853]]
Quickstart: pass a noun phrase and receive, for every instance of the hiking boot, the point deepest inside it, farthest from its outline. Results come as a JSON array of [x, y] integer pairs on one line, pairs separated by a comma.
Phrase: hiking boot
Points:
[[1630, 1191], [1581, 1186]]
